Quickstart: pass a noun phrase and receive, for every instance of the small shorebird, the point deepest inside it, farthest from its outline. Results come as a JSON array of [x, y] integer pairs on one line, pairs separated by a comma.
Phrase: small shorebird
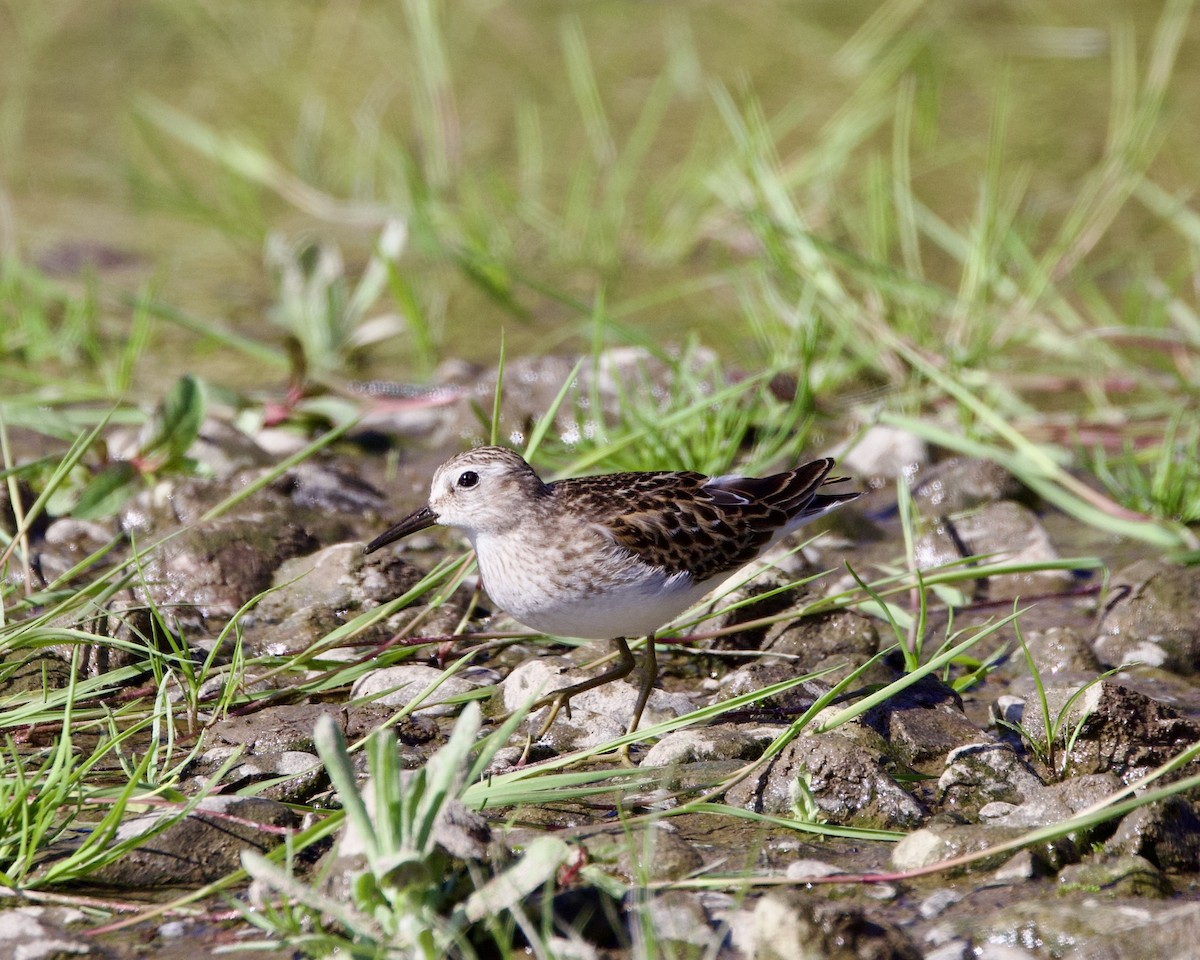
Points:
[[611, 556]]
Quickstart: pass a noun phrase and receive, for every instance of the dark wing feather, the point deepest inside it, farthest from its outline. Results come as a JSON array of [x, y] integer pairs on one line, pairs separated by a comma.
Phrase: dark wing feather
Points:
[[688, 523]]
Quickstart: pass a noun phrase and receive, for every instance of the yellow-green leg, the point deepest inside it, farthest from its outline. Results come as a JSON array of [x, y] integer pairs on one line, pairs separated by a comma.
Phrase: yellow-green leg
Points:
[[561, 698]]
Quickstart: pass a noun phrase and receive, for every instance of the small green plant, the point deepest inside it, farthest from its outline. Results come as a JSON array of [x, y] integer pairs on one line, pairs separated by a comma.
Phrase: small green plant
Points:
[[325, 316], [161, 448], [1055, 726], [692, 415], [408, 899], [58, 823]]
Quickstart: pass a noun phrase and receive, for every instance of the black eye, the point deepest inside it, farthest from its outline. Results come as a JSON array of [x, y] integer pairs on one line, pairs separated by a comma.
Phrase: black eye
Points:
[[468, 478]]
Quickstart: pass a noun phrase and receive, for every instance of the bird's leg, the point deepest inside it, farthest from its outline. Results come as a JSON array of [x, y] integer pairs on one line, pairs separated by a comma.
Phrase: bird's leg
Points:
[[561, 698], [649, 675]]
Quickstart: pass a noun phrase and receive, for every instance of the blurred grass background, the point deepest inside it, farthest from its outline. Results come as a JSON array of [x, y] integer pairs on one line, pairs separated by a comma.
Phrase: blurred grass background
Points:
[[899, 204]]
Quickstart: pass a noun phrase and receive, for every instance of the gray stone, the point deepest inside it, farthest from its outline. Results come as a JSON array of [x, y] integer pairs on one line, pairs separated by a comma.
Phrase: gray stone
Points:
[[725, 741], [1117, 876], [792, 926], [1151, 617], [314, 594], [679, 919], [828, 639], [1086, 927], [766, 591], [298, 776], [597, 716], [802, 870], [922, 724], [40, 933], [1165, 833], [1021, 867], [884, 452], [765, 671], [940, 841], [1053, 802], [1119, 729], [1061, 650], [831, 779], [1005, 532], [200, 848], [962, 483], [67, 542], [954, 950], [399, 686], [1164, 931], [979, 773], [938, 903]]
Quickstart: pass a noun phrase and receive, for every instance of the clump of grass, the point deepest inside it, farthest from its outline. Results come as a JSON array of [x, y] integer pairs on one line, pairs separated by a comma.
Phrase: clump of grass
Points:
[[686, 413], [1161, 479], [409, 897], [327, 318], [56, 344]]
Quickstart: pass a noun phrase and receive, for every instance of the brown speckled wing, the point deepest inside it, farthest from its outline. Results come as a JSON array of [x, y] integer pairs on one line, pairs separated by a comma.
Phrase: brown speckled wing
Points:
[[686, 522]]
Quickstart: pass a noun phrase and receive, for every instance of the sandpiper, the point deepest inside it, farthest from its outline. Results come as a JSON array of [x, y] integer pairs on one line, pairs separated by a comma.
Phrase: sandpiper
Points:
[[612, 556]]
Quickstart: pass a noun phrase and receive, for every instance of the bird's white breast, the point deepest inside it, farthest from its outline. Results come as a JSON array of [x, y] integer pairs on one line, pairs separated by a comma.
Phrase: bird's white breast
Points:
[[595, 590]]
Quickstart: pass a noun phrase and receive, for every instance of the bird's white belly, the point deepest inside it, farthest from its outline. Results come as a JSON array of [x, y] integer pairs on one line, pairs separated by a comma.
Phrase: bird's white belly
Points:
[[596, 597]]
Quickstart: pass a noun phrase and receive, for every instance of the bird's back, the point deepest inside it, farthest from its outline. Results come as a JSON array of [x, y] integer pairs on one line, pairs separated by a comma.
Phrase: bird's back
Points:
[[687, 523]]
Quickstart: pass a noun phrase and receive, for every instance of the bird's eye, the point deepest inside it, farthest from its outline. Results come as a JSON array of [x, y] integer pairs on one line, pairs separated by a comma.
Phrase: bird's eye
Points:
[[468, 478]]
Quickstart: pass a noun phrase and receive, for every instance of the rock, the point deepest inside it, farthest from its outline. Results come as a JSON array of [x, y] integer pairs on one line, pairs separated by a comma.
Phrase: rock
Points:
[[40, 933], [680, 922], [830, 779], [954, 950], [1167, 834], [1090, 928], [1116, 876], [963, 483], [1119, 729], [1151, 617], [68, 542], [940, 840], [201, 848], [922, 724], [938, 903], [884, 453], [657, 853], [1056, 650], [1021, 867], [312, 595], [597, 716], [790, 926], [765, 671], [289, 726], [209, 571], [813, 643], [1007, 533], [399, 686], [222, 450], [766, 591], [531, 384], [1042, 805], [330, 488], [1166, 931], [292, 776], [802, 870], [210, 568], [35, 673], [979, 773], [722, 741]]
